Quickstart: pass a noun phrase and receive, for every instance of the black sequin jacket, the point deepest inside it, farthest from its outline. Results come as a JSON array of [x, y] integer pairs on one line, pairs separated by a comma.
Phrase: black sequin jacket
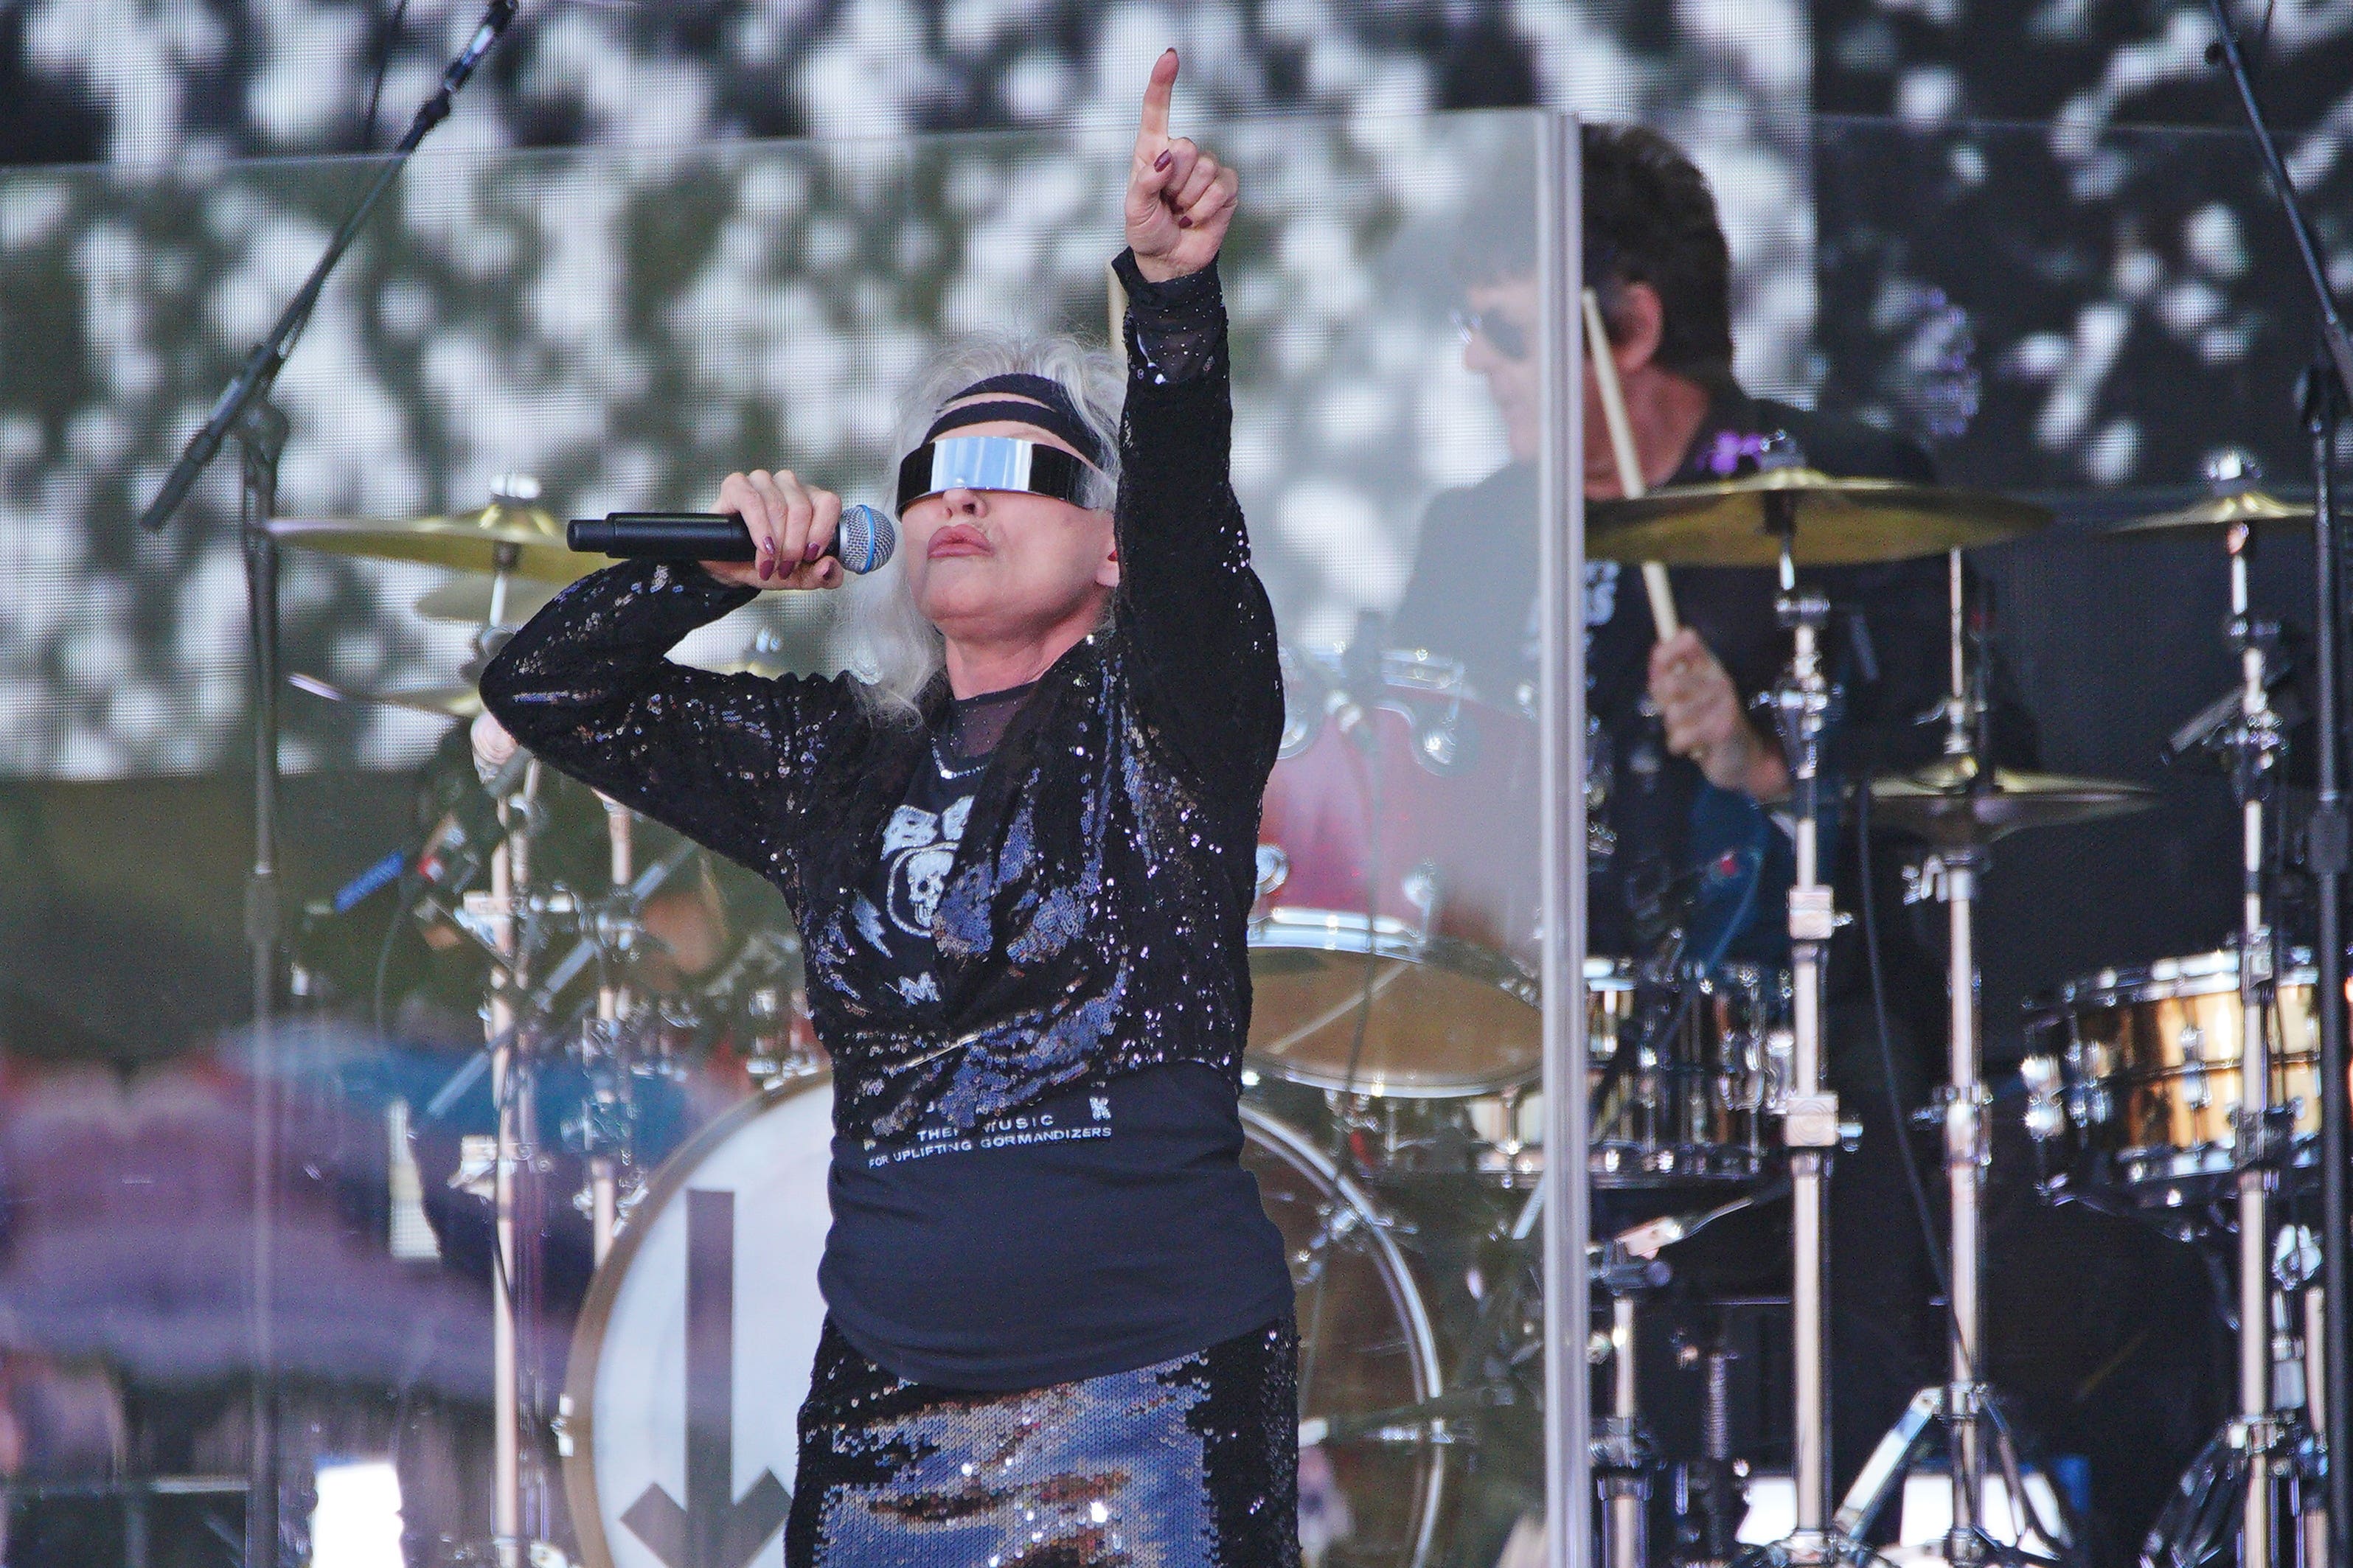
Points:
[[1093, 921]]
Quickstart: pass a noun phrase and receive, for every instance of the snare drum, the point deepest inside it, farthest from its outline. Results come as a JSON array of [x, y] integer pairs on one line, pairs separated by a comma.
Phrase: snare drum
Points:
[[1696, 1105], [2135, 1077]]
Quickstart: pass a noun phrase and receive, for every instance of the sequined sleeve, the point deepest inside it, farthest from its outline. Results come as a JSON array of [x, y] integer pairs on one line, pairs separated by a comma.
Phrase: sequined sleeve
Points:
[[586, 685], [1190, 605]]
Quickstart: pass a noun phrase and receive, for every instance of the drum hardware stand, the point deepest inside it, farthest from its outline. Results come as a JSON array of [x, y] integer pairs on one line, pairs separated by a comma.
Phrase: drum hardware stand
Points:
[[2196, 1527], [1950, 876], [510, 878], [2255, 745], [1802, 701], [2311, 1452], [2326, 387], [2328, 1401], [261, 430], [515, 1016], [1624, 1456], [612, 1002], [1711, 1492]]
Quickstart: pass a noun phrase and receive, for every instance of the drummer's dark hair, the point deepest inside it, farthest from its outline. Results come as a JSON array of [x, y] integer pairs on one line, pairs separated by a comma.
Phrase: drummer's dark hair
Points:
[[1650, 218]]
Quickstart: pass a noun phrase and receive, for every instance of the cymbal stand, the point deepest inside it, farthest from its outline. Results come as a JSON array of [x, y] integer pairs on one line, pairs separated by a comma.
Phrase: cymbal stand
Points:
[[2330, 383], [2255, 746], [612, 1003], [2203, 1522], [261, 432], [509, 880], [2247, 1473], [1802, 701], [1950, 874]]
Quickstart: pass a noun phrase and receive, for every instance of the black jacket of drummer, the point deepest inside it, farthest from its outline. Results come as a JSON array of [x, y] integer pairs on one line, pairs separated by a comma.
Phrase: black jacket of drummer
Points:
[[1094, 921]]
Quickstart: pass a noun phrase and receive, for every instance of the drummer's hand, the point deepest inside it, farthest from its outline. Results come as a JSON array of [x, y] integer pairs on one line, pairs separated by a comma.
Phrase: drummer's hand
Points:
[[1700, 709], [493, 746], [1180, 199], [790, 524]]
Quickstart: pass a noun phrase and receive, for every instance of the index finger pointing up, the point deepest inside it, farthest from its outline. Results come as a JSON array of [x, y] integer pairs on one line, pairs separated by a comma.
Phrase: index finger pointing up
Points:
[[1157, 92]]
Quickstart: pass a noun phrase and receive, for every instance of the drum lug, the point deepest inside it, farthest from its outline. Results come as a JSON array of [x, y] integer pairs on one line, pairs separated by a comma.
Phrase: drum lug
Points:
[[2266, 1139], [2046, 1111]]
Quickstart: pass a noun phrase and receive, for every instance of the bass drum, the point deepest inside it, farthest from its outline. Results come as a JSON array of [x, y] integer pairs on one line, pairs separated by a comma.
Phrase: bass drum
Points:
[[693, 1354]]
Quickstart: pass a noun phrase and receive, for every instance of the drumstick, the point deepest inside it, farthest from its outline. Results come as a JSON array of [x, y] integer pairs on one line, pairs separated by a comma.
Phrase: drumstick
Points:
[[1629, 466]]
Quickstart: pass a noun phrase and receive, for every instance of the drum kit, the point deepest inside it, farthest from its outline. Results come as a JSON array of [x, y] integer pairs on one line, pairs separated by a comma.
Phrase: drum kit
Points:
[[603, 1008], [1393, 1107], [1392, 958]]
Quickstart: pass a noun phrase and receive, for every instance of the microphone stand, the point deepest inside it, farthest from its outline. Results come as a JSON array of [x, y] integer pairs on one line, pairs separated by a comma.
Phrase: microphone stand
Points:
[[245, 412], [2326, 847]]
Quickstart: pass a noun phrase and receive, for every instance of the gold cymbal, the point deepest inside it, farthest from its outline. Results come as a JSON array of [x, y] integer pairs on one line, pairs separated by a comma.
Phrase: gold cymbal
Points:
[[458, 701], [2251, 507], [466, 599], [1948, 803], [521, 541], [1838, 521], [765, 669]]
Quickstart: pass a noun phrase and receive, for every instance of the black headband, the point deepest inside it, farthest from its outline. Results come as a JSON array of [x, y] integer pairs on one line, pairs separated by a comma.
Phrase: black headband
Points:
[[1051, 408]]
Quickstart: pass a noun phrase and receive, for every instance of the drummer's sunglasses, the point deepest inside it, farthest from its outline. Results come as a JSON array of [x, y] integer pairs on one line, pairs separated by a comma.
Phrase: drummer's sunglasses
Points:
[[1509, 338], [990, 463]]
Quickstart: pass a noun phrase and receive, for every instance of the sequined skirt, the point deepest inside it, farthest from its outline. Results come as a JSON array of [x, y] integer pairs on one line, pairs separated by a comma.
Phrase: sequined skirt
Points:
[[1192, 1463]]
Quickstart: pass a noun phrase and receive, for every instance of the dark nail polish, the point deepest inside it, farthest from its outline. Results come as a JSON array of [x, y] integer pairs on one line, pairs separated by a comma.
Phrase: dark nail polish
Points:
[[813, 552], [1164, 159], [1183, 221]]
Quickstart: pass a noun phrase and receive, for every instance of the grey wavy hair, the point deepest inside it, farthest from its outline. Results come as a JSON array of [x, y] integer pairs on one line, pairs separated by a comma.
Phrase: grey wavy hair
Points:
[[890, 647]]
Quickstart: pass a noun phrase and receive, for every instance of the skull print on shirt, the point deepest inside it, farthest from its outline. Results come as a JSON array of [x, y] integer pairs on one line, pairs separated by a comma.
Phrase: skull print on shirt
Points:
[[919, 848]]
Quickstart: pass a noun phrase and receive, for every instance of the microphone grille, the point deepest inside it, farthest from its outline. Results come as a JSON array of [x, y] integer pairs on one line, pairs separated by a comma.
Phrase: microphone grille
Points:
[[866, 537]]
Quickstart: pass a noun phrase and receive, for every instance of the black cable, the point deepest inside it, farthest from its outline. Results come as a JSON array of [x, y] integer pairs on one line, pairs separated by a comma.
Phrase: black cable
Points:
[[1887, 1060], [383, 68], [384, 955]]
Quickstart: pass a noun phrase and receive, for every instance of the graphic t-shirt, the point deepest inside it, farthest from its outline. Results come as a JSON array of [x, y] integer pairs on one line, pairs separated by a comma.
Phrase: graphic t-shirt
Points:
[[1104, 1228]]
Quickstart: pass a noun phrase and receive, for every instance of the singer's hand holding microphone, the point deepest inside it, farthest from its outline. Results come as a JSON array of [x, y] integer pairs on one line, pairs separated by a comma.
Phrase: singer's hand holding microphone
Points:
[[769, 530]]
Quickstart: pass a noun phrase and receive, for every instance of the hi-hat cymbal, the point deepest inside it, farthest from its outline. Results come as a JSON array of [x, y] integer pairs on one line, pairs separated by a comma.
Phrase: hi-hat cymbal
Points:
[[1949, 802], [521, 541], [1837, 521], [2253, 507], [467, 600], [461, 701]]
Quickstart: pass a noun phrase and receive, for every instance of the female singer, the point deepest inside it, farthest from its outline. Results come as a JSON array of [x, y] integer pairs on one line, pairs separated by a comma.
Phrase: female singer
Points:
[[1021, 855]]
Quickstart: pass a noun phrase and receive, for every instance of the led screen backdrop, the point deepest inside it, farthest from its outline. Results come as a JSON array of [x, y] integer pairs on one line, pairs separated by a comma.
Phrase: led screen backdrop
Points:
[[626, 321]]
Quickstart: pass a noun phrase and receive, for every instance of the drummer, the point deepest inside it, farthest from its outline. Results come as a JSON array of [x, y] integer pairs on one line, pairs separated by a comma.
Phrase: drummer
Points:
[[1656, 256]]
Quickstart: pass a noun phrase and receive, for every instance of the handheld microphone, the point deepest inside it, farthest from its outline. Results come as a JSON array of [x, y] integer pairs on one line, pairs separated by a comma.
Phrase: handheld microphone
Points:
[[863, 542]]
